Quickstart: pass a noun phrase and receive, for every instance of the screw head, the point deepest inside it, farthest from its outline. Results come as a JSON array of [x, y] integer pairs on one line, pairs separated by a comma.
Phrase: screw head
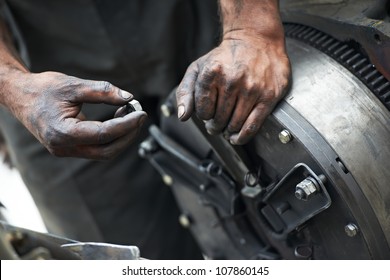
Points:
[[285, 136], [351, 229], [185, 220], [167, 180]]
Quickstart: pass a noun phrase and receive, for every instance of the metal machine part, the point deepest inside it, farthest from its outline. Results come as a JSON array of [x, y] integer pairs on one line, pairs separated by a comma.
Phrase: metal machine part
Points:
[[20, 243], [133, 106], [313, 184]]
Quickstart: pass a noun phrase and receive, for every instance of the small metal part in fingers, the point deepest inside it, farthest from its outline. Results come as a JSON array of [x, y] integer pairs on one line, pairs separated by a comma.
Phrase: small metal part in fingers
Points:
[[133, 106]]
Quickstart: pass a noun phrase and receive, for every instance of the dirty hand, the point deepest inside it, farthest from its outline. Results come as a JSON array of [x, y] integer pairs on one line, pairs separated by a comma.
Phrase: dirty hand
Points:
[[49, 105], [235, 86]]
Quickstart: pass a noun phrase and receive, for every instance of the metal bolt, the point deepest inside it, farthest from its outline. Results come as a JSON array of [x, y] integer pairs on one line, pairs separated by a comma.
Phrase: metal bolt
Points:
[[185, 220], [167, 180], [166, 109], [306, 189], [251, 179], [285, 136], [351, 229], [147, 147]]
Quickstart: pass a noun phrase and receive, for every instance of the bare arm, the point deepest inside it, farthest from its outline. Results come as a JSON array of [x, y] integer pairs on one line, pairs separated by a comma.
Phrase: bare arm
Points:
[[236, 85], [48, 105]]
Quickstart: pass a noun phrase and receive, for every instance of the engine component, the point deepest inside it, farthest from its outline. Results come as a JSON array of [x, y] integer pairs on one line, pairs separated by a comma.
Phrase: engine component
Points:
[[313, 184]]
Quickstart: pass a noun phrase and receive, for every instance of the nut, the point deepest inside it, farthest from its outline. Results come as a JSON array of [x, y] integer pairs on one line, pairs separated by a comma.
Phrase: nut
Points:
[[306, 189], [133, 106]]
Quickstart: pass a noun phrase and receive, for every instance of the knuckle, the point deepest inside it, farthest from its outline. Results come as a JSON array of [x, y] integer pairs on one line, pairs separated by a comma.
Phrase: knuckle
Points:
[[193, 66], [231, 85], [203, 85], [106, 87], [270, 96], [284, 84], [53, 138], [207, 76], [181, 92]]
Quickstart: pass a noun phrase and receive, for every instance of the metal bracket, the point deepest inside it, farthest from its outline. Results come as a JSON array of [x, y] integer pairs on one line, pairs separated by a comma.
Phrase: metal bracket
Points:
[[284, 210]]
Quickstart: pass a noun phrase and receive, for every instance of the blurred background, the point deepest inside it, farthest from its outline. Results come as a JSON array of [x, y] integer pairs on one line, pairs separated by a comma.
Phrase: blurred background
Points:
[[18, 207]]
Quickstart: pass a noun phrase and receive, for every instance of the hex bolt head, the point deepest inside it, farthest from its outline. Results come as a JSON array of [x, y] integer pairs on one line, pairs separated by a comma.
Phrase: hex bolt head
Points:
[[351, 229], [285, 136], [306, 189]]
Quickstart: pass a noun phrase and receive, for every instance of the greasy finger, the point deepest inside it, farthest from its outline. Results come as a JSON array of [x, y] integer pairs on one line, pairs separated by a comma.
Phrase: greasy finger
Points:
[[100, 152], [98, 133], [252, 125], [244, 106], [121, 112], [185, 93], [206, 94], [101, 92], [225, 104]]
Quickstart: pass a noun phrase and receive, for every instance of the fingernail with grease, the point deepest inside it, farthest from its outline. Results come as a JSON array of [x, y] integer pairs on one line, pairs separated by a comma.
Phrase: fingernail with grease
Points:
[[180, 111], [233, 139], [126, 95]]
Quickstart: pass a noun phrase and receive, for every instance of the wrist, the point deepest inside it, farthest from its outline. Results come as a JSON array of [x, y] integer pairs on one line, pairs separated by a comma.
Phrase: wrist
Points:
[[251, 19], [12, 85]]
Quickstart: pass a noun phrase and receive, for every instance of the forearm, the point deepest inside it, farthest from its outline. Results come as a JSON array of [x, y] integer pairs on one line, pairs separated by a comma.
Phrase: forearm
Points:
[[255, 18], [11, 66]]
